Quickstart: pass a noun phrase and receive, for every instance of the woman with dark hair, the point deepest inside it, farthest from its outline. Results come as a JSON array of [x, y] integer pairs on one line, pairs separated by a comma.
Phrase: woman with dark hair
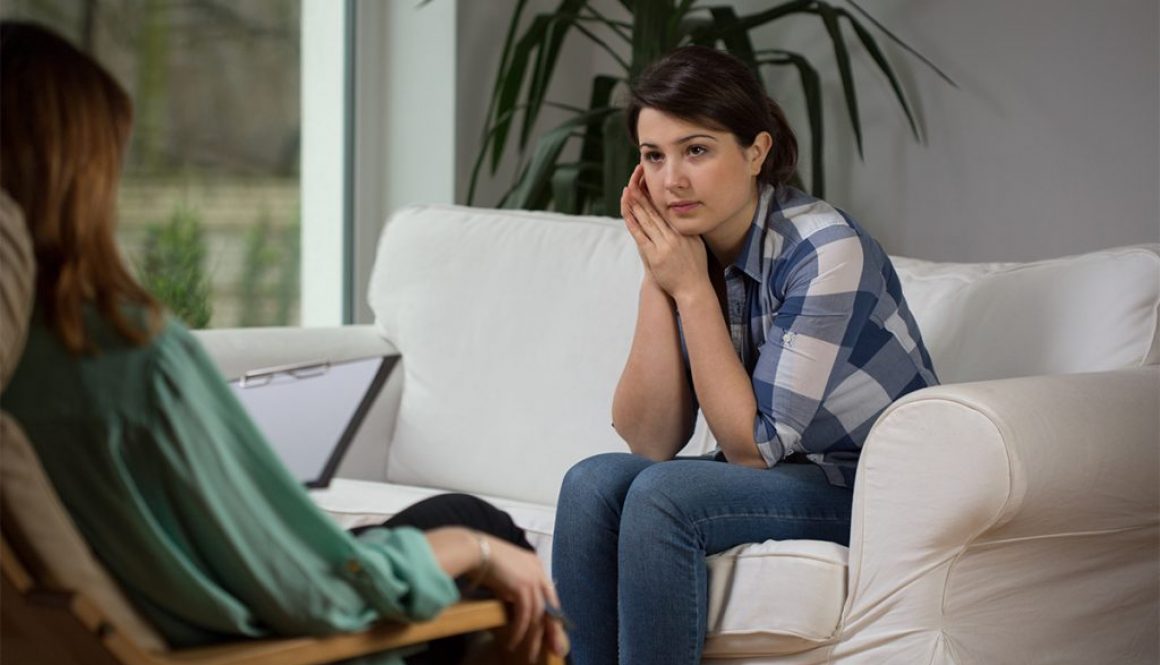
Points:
[[774, 314], [165, 476]]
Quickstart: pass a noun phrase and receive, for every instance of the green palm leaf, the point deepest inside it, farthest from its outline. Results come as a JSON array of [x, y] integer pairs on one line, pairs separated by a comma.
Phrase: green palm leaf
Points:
[[556, 29], [512, 82], [620, 156], [906, 47], [842, 55], [876, 54], [534, 184], [592, 148]]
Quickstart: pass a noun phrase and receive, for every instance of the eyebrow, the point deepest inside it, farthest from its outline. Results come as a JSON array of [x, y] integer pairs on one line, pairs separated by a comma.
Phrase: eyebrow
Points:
[[686, 139]]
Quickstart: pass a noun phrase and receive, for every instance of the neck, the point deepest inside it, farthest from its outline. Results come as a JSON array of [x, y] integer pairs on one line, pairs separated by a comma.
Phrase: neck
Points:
[[726, 240]]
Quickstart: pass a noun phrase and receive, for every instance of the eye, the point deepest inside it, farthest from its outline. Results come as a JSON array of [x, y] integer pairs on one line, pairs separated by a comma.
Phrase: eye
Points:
[[697, 150], [652, 156]]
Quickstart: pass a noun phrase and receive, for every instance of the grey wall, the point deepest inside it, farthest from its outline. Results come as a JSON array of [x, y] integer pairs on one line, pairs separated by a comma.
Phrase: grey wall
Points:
[[1050, 146]]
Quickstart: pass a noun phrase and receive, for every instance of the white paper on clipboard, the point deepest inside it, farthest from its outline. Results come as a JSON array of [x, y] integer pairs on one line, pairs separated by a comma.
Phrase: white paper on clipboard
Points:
[[310, 412]]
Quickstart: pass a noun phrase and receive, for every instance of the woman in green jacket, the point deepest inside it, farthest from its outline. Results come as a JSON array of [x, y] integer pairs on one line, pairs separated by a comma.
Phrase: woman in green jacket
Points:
[[164, 474]]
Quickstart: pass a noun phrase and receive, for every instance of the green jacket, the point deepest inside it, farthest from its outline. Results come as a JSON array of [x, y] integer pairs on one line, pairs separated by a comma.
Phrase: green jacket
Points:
[[181, 498]]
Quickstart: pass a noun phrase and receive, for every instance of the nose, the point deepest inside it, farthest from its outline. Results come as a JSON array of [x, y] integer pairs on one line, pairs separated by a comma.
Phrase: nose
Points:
[[675, 178]]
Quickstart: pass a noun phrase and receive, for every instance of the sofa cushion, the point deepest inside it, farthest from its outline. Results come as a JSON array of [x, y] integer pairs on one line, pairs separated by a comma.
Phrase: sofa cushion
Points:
[[1086, 313], [807, 576], [803, 590], [514, 327]]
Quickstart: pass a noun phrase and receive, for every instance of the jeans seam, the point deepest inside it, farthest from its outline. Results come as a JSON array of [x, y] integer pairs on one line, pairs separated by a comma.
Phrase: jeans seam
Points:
[[788, 518], [696, 632]]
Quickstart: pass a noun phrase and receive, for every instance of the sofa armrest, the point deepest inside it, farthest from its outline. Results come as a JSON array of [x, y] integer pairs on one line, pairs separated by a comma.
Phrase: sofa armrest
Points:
[[236, 350], [976, 503]]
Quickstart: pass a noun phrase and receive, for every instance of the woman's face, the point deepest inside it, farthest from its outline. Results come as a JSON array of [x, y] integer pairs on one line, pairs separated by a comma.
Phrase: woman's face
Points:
[[700, 179]]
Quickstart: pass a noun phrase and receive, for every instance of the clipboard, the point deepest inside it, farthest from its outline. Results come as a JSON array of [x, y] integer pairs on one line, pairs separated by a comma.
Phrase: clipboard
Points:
[[310, 412]]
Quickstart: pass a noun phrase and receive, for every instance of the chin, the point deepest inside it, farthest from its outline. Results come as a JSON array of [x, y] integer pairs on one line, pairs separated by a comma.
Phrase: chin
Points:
[[693, 225]]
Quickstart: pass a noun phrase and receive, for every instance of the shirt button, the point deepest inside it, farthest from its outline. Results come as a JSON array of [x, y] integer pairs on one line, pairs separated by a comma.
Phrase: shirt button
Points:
[[353, 566]]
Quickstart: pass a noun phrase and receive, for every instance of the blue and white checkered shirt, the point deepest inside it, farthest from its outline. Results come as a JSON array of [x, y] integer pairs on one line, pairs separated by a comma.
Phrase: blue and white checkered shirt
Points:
[[817, 316]]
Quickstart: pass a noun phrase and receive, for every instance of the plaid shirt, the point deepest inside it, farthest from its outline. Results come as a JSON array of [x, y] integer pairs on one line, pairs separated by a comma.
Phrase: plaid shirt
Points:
[[818, 319]]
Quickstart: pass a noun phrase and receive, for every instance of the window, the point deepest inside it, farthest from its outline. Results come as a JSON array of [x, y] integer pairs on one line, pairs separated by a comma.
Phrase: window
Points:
[[211, 205]]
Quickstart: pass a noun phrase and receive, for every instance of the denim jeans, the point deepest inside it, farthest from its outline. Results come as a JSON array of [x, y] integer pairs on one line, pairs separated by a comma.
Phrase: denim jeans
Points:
[[631, 538]]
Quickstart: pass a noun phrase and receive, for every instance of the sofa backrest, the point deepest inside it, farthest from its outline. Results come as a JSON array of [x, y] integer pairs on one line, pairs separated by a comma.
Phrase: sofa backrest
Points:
[[1085, 313], [514, 327]]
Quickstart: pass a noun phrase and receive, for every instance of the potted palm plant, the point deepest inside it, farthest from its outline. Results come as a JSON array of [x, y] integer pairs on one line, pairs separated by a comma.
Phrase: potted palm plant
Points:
[[592, 183]]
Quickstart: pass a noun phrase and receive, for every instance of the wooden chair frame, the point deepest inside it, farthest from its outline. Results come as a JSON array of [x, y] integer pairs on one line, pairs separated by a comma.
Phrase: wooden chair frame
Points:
[[53, 622]]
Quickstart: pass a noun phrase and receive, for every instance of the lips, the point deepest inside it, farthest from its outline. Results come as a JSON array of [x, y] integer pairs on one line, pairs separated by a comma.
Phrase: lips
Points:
[[683, 207]]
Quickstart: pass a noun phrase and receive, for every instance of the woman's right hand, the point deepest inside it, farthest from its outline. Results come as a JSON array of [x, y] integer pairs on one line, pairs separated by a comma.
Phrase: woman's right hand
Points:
[[635, 188], [677, 263], [517, 577]]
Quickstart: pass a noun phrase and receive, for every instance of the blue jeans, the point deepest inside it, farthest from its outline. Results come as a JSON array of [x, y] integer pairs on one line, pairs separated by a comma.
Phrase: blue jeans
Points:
[[631, 538]]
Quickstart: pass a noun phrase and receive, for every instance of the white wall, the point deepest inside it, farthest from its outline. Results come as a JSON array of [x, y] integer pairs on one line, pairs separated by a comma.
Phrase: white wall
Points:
[[323, 167], [1050, 146], [405, 120]]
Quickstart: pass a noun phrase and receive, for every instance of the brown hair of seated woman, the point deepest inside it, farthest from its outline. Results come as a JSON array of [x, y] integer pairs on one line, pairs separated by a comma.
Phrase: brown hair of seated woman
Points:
[[64, 126]]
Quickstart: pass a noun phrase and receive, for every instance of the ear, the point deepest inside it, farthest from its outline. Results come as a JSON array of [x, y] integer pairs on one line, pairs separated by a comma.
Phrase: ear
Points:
[[756, 153]]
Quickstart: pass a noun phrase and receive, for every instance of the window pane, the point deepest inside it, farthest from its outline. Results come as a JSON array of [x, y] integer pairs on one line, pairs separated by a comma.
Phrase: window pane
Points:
[[209, 208]]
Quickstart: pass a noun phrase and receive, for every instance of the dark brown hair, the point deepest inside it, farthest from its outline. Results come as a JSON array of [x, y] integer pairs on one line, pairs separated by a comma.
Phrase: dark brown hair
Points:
[[710, 87], [64, 125]]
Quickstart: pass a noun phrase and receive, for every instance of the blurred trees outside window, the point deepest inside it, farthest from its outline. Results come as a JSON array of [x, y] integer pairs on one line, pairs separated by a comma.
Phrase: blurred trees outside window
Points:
[[209, 204]]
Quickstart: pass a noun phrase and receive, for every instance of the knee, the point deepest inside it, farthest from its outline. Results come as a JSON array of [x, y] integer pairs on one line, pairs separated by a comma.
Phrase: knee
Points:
[[661, 491], [602, 479]]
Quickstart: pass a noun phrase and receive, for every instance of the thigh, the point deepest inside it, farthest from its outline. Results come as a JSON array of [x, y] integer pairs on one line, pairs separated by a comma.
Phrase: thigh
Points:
[[728, 505]]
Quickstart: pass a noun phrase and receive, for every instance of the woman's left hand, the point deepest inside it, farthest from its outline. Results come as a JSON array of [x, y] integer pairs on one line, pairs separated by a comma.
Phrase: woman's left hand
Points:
[[678, 263]]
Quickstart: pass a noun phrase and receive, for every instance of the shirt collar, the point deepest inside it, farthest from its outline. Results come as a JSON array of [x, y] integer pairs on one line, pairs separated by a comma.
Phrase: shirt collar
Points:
[[748, 260]]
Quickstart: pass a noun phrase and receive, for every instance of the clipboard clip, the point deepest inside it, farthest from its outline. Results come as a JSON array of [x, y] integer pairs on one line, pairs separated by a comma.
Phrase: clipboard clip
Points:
[[257, 378]]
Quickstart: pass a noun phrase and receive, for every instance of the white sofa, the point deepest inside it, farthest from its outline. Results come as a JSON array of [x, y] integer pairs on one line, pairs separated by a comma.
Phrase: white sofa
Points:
[[1011, 515]]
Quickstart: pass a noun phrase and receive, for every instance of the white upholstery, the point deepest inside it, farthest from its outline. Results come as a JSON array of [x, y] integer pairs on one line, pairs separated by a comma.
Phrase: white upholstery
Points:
[[513, 330], [1007, 520], [808, 579], [1035, 539], [1083, 313]]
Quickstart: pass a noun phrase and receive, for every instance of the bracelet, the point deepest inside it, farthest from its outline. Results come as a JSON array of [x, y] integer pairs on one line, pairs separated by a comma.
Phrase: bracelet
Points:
[[484, 562]]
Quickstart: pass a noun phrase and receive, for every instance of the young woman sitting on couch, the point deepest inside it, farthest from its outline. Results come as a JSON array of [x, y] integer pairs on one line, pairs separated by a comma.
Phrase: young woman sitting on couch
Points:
[[772, 312], [170, 483]]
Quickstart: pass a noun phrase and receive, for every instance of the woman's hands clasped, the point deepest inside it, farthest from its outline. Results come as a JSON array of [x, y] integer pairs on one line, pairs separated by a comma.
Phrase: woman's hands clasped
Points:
[[677, 263]]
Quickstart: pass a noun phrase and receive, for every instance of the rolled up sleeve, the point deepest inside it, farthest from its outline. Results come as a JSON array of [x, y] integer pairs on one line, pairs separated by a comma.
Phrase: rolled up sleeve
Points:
[[808, 338]]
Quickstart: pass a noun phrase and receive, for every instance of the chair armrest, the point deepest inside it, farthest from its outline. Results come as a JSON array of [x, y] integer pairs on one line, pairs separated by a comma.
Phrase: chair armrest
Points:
[[236, 350], [977, 501], [461, 618]]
